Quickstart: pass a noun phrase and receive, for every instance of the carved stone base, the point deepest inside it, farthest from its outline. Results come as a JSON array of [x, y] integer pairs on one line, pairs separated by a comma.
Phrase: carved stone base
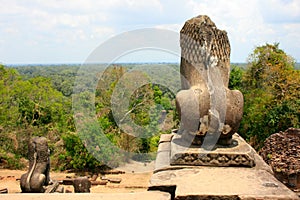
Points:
[[215, 182], [237, 154]]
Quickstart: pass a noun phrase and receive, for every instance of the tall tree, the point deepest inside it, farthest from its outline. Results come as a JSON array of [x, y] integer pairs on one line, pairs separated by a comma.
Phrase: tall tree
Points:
[[271, 88]]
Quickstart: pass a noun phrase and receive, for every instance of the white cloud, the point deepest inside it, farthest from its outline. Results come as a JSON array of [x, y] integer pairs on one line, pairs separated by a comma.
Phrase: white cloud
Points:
[[280, 11], [11, 7], [11, 31], [65, 25], [172, 27], [143, 4], [98, 32], [251, 23]]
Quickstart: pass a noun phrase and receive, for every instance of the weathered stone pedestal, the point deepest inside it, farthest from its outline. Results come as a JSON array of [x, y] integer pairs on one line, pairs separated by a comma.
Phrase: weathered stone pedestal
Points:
[[216, 182], [237, 154]]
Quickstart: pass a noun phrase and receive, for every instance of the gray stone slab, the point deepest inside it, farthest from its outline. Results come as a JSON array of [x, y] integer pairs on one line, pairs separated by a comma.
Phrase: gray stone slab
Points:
[[150, 195], [211, 182], [165, 138], [229, 182], [260, 164], [165, 146], [238, 154], [163, 156]]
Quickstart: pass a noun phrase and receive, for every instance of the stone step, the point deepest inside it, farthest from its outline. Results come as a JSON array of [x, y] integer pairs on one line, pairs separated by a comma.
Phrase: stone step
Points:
[[90, 196]]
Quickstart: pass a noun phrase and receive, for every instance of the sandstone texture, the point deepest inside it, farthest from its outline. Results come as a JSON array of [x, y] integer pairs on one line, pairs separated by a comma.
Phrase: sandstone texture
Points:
[[216, 182], [282, 152], [39, 166], [90, 196], [205, 104]]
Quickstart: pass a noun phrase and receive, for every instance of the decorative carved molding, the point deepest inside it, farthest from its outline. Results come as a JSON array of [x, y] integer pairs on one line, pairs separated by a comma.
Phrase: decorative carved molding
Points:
[[213, 159], [239, 154]]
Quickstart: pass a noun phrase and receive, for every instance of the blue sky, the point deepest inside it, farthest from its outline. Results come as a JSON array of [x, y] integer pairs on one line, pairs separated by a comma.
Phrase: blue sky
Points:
[[67, 31]]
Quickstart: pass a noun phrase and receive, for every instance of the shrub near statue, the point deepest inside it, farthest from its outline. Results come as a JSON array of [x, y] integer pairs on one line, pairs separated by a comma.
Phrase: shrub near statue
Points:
[[39, 166]]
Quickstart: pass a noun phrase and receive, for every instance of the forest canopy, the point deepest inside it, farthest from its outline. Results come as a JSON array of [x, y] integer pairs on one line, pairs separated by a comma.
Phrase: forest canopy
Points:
[[271, 88], [37, 101]]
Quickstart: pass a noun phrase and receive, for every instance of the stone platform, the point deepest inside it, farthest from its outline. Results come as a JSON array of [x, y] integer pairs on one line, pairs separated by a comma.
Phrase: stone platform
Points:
[[237, 154], [211, 182], [150, 195]]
